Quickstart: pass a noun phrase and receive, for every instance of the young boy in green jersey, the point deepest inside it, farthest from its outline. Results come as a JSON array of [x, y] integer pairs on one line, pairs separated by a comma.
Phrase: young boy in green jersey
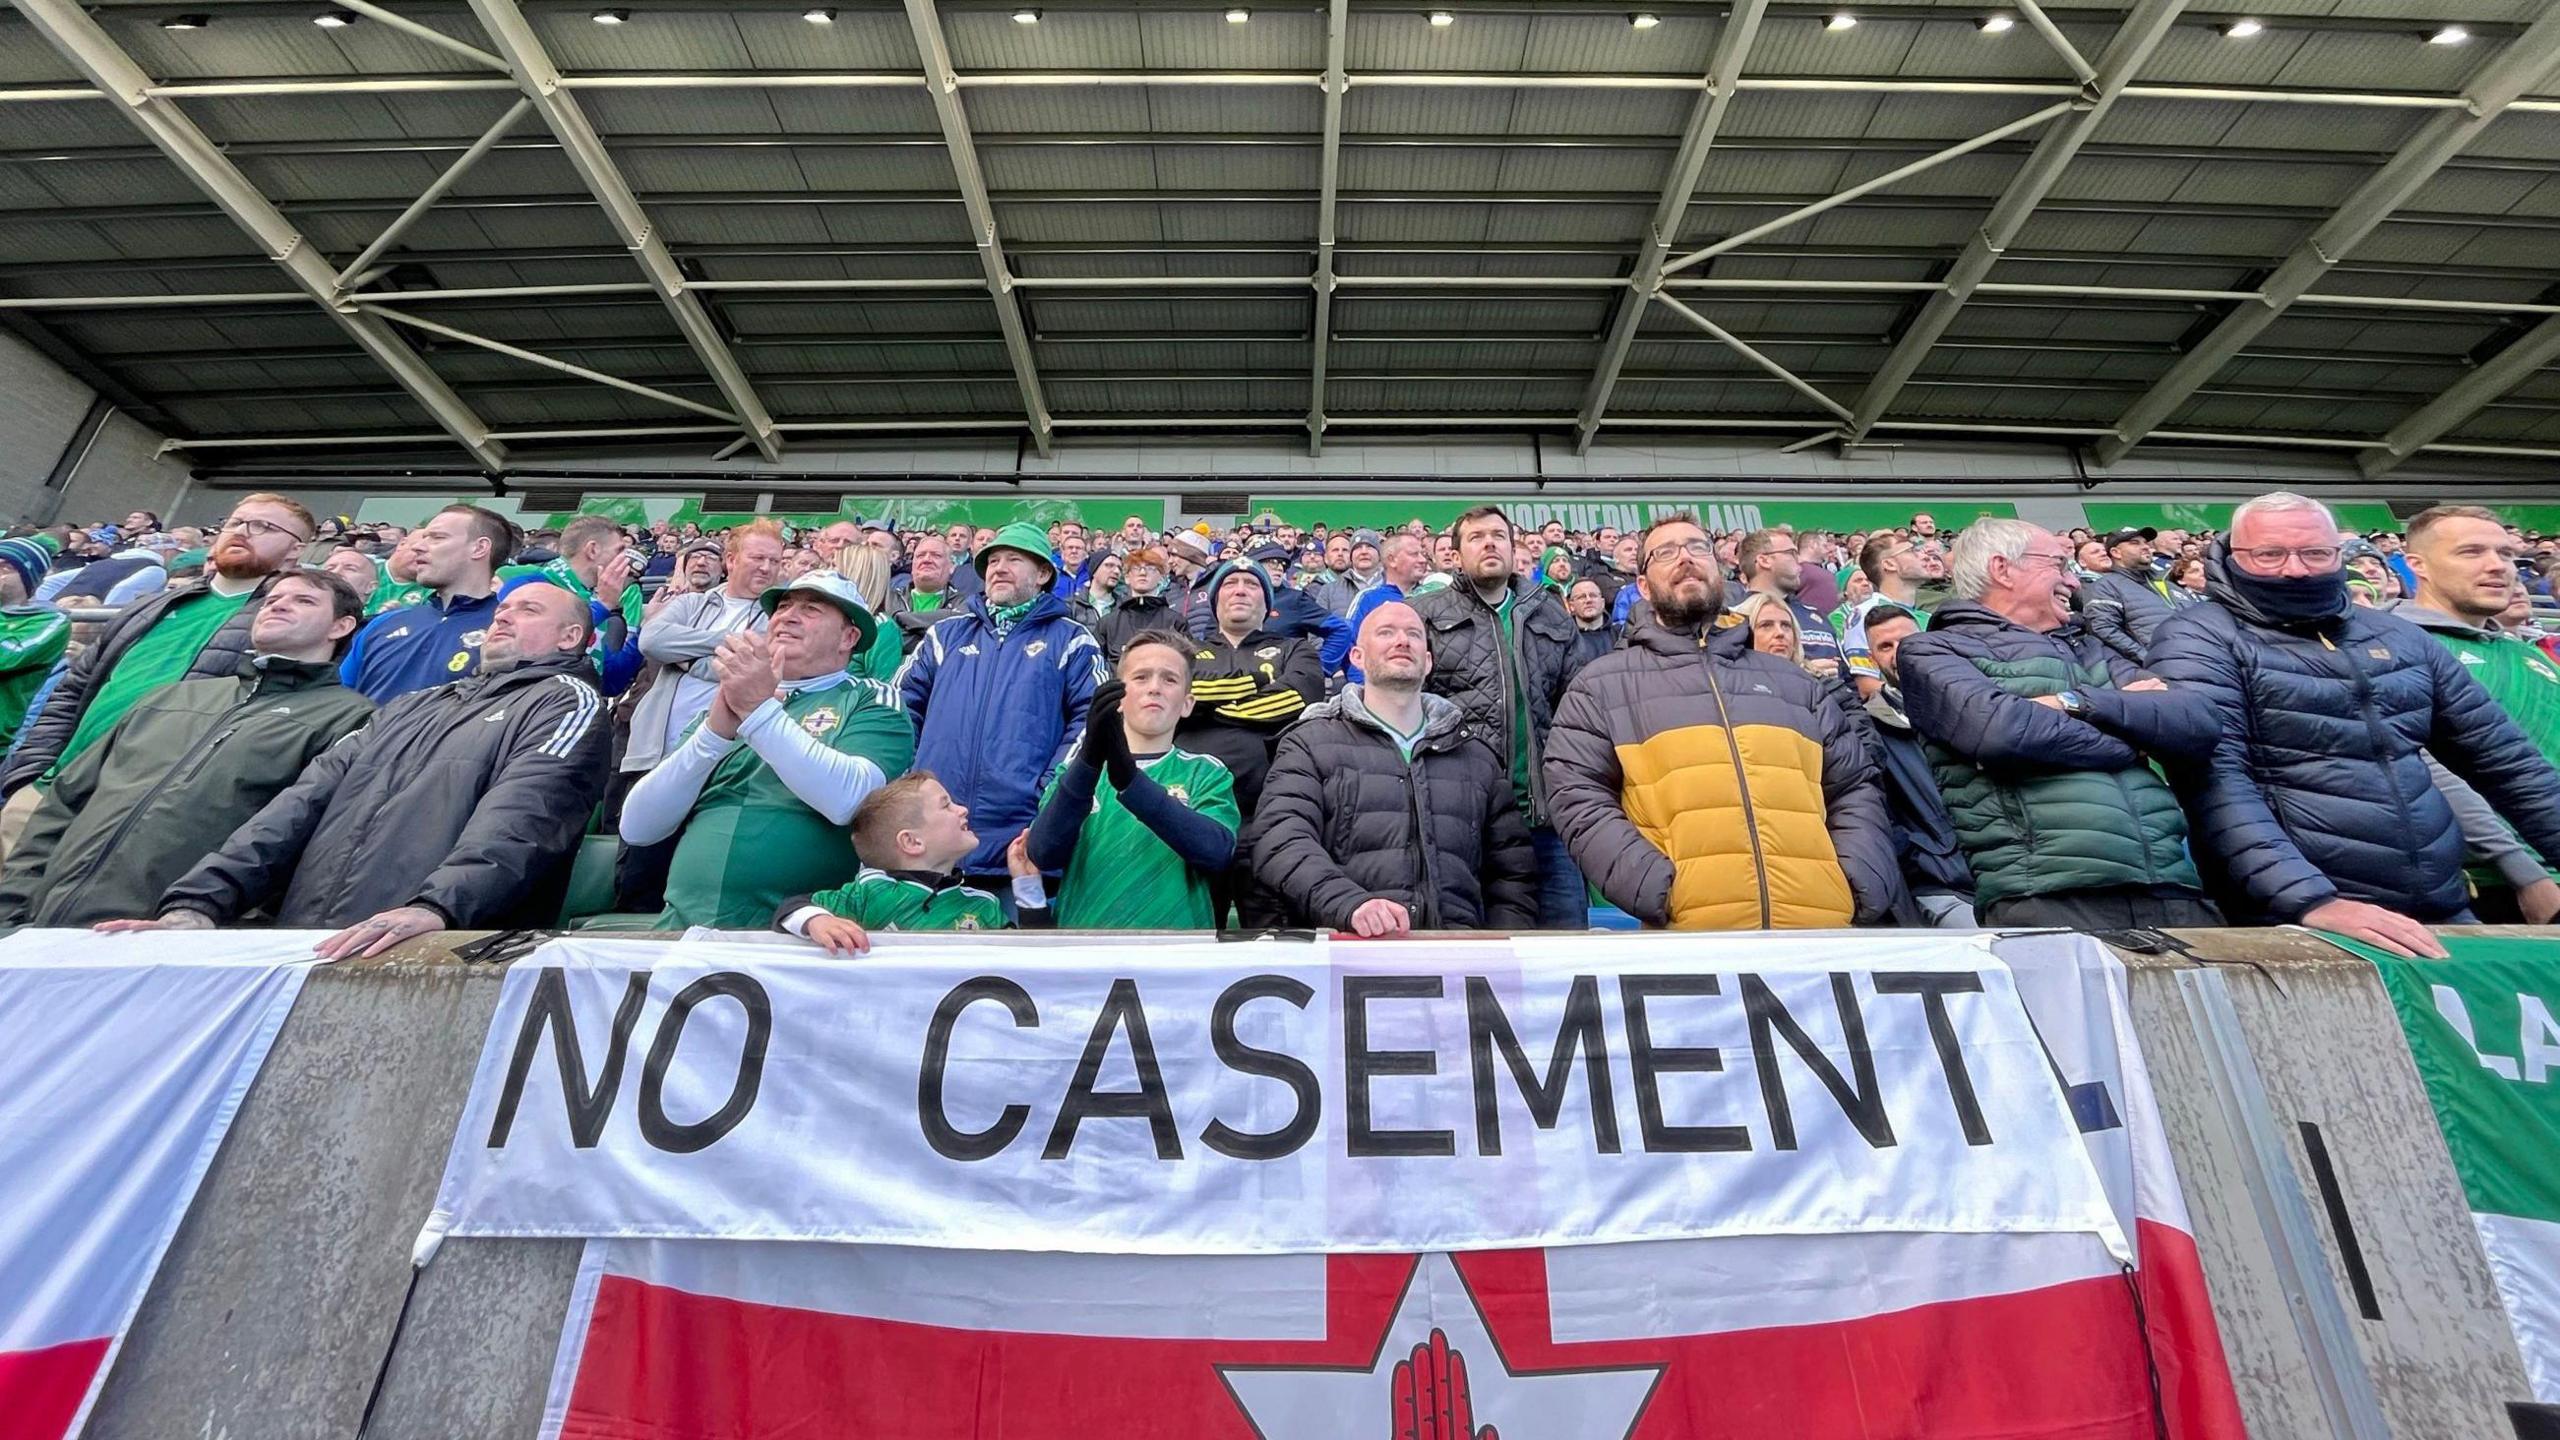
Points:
[[1138, 826], [912, 836]]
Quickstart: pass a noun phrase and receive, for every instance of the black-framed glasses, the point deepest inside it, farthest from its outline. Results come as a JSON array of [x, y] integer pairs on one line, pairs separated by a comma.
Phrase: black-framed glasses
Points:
[[1694, 549], [2272, 557], [251, 525]]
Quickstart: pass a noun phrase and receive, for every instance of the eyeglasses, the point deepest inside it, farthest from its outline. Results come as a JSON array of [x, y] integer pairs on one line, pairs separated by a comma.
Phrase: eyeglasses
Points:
[[1694, 549], [2272, 557], [251, 525], [2056, 561]]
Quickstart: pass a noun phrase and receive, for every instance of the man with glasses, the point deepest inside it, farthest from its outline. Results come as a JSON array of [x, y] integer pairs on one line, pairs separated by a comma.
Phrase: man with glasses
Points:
[[2315, 806], [1768, 562], [1703, 785], [198, 630], [2042, 739]]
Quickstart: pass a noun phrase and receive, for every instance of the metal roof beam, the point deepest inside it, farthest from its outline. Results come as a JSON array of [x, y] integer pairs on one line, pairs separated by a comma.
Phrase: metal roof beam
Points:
[[540, 79], [1733, 342], [70, 30], [2508, 75], [1706, 117], [2134, 41], [1336, 25], [547, 362], [427, 198], [2463, 399], [944, 88]]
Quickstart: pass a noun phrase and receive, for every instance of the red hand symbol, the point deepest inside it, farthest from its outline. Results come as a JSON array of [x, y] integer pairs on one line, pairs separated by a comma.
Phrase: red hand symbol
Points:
[[1430, 1400]]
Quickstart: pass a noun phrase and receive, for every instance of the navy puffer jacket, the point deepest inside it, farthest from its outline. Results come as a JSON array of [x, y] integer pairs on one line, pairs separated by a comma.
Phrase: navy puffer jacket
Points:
[[2318, 788]]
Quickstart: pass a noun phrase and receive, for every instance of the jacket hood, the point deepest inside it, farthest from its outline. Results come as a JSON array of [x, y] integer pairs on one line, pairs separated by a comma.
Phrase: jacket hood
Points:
[[1441, 716], [1880, 707], [2428, 618], [1646, 631]]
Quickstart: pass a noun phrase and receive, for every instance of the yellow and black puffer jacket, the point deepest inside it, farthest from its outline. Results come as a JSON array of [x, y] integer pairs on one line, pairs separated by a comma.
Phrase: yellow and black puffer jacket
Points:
[[1705, 786]]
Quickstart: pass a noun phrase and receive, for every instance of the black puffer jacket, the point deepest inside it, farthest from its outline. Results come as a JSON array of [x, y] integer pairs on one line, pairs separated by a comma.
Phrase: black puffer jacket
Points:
[[1467, 666], [1134, 614], [2319, 787], [1345, 820], [466, 798], [46, 734]]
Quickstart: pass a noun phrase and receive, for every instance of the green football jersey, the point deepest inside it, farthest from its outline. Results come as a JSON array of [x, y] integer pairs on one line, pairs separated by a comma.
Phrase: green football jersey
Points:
[[908, 900], [751, 843], [1122, 877]]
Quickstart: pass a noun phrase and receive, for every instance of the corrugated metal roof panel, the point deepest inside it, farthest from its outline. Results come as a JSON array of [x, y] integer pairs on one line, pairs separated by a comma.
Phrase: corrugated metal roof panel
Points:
[[1230, 109], [1594, 224], [1582, 42], [2253, 182], [662, 40], [2111, 177], [1065, 110], [2358, 59], [1597, 112], [1424, 111], [897, 224], [1586, 169], [1441, 167], [1793, 44], [684, 112], [1274, 39], [187, 237], [1792, 114], [912, 169], [959, 314], [656, 170], [1954, 47], [2195, 55], [1405, 40], [1376, 224], [1064, 39], [853, 112], [858, 40]]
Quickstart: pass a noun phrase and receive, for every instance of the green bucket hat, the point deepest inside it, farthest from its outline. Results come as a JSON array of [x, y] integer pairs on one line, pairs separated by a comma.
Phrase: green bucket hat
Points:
[[1021, 535], [835, 590]]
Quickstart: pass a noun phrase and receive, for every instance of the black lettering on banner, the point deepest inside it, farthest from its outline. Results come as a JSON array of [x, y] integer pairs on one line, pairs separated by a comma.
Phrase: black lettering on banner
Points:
[[1488, 1029], [1933, 989], [1246, 1059], [1861, 1101], [549, 1006], [1120, 1009], [664, 1133], [1359, 1063], [948, 1140], [1648, 1063]]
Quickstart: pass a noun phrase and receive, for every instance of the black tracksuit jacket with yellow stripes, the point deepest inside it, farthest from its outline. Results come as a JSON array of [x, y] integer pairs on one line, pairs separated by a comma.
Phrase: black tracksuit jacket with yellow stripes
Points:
[[1242, 697]]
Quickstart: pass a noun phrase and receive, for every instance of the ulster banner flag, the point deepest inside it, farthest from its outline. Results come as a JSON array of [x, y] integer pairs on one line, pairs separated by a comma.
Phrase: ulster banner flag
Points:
[[122, 1062], [1922, 1320]]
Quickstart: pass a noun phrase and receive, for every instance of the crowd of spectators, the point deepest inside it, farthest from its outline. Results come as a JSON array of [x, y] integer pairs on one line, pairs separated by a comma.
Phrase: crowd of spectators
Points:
[[383, 731]]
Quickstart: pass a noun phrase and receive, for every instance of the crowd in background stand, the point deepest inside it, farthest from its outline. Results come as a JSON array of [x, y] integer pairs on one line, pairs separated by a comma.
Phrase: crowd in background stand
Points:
[[384, 730]]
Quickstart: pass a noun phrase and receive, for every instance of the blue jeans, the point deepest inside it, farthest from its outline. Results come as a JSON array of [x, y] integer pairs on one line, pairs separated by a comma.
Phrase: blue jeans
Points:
[[1563, 902]]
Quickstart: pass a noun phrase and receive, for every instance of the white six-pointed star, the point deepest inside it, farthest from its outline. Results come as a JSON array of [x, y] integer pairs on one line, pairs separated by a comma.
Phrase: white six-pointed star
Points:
[[1361, 1401]]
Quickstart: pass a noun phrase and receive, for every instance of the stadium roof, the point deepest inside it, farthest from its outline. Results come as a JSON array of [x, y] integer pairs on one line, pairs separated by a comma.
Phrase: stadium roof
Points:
[[520, 225]]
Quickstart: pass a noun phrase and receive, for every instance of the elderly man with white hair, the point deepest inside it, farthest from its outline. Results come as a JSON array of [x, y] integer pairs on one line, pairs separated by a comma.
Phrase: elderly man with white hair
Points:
[[2316, 806]]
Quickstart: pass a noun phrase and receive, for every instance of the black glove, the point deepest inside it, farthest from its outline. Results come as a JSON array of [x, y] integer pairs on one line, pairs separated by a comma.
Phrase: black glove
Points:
[[1102, 734], [1119, 764]]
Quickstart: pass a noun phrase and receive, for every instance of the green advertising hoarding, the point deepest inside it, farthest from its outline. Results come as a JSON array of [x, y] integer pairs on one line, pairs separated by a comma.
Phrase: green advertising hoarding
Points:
[[1718, 513], [2357, 515], [1101, 513]]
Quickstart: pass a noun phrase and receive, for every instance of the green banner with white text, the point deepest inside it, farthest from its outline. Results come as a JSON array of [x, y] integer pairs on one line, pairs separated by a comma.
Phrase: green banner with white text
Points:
[[2481, 1027]]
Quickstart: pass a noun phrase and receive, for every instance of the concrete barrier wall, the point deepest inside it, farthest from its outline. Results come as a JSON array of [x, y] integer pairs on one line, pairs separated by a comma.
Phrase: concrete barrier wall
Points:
[[273, 1314]]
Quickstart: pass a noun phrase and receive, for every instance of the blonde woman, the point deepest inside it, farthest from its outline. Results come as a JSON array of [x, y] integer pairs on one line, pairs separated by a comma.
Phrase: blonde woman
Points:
[[1774, 632], [868, 569]]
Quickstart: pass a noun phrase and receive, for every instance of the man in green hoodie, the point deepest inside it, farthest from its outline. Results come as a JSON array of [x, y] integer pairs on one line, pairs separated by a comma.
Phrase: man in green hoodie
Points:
[[2465, 562], [177, 773]]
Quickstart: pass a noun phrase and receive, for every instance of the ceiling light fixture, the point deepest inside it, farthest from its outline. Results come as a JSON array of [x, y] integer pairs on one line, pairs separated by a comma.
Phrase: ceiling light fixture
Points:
[[186, 22], [1644, 20], [1238, 15], [2240, 29], [1842, 21], [1996, 24], [610, 17], [334, 19], [2450, 35], [1443, 19], [1026, 17], [823, 15]]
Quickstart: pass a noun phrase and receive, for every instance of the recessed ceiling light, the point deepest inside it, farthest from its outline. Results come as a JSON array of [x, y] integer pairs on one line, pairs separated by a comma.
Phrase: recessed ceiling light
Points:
[[186, 22], [1996, 24], [2240, 29], [822, 15], [2450, 35], [334, 19], [1842, 21], [1443, 19], [1644, 19], [610, 17], [1238, 15], [1026, 17]]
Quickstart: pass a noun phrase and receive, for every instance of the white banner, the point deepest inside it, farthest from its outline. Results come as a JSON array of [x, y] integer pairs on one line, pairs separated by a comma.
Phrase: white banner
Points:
[[122, 1062], [1333, 1097]]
